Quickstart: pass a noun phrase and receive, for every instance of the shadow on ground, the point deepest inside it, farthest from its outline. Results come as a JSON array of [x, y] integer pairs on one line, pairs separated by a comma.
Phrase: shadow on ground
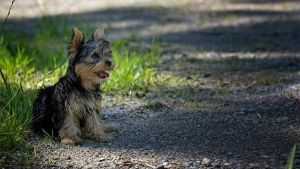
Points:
[[237, 30], [223, 127], [237, 68]]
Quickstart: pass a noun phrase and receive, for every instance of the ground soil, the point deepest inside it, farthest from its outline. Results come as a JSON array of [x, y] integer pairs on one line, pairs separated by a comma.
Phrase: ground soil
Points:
[[238, 108]]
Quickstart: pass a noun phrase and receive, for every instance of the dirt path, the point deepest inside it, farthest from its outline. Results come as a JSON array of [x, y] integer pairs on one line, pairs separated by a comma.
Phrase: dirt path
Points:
[[256, 132], [239, 107]]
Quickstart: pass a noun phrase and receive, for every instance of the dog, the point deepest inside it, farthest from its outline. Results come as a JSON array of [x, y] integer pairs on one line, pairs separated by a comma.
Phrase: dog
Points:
[[70, 108]]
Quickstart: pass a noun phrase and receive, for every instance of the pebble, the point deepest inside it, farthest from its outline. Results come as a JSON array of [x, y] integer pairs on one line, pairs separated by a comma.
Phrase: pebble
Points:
[[150, 95], [240, 113], [101, 159], [253, 166], [281, 119], [206, 162], [165, 163], [160, 167], [227, 164], [152, 139], [216, 163]]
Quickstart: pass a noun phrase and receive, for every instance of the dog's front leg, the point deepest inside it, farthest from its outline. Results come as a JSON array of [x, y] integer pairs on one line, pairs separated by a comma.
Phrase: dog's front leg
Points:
[[95, 128], [70, 131]]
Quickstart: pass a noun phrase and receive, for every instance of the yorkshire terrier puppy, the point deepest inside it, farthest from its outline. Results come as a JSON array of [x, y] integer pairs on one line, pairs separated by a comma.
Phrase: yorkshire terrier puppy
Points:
[[70, 108]]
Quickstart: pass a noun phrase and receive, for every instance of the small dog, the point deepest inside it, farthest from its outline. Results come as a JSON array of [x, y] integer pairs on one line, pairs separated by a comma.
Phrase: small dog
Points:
[[69, 109]]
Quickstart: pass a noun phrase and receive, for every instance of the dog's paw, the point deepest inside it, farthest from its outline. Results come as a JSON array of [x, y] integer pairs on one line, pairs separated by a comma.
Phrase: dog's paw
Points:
[[111, 127], [71, 141], [103, 137]]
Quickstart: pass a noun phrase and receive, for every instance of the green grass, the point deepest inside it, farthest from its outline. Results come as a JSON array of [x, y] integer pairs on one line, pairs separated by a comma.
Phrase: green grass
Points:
[[134, 71], [291, 158], [13, 124], [15, 107], [39, 58]]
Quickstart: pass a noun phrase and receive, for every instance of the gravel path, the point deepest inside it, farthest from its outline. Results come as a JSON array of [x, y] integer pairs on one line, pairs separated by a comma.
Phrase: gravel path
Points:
[[249, 133], [238, 108]]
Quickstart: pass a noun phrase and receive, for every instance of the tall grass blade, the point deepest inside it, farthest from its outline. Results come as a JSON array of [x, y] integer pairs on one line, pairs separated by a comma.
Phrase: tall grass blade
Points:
[[290, 162]]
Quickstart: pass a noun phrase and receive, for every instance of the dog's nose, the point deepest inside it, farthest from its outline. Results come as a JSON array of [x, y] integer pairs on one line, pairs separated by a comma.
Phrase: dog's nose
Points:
[[108, 63]]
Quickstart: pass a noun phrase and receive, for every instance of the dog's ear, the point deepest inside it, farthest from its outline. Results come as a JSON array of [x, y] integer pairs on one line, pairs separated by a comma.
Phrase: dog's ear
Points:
[[76, 41], [98, 35]]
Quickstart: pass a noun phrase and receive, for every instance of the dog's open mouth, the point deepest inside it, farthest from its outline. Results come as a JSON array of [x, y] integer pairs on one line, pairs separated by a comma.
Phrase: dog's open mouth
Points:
[[102, 74]]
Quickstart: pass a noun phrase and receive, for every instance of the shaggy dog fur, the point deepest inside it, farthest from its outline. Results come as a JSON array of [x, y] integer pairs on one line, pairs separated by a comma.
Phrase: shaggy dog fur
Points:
[[69, 109]]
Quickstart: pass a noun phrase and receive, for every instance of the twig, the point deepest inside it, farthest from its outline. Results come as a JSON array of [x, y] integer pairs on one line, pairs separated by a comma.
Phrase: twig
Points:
[[3, 25]]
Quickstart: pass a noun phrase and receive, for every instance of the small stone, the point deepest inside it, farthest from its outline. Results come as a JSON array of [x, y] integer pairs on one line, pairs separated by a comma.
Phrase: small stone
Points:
[[230, 154], [155, 105], [190, 164], [160, 167], [127, 163], [253, 165], [56, 158], [152, 139], [69, 166], [150, 95], [206, 162], [153, 115], [53, 166], [179, 133], [240, 113], [216, 163], [227, 164], [101, 159], [281, 119], [265, 156], [163, 158], [165, 163], [147, 147]]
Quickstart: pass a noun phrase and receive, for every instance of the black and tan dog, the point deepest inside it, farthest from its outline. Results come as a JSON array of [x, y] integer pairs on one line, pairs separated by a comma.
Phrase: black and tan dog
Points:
[[69, 109]]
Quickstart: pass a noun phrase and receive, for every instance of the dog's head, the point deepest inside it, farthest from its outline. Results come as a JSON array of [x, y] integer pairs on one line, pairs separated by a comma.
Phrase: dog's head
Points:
[[91, 59]]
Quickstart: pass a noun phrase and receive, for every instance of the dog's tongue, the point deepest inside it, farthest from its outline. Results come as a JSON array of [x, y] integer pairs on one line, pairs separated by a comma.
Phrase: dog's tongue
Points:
[[102, 74]]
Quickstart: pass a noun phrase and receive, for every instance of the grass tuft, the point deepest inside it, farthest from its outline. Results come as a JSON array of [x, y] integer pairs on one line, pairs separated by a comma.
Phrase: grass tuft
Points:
[[134, 70], [15, 108], [12, 125]]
